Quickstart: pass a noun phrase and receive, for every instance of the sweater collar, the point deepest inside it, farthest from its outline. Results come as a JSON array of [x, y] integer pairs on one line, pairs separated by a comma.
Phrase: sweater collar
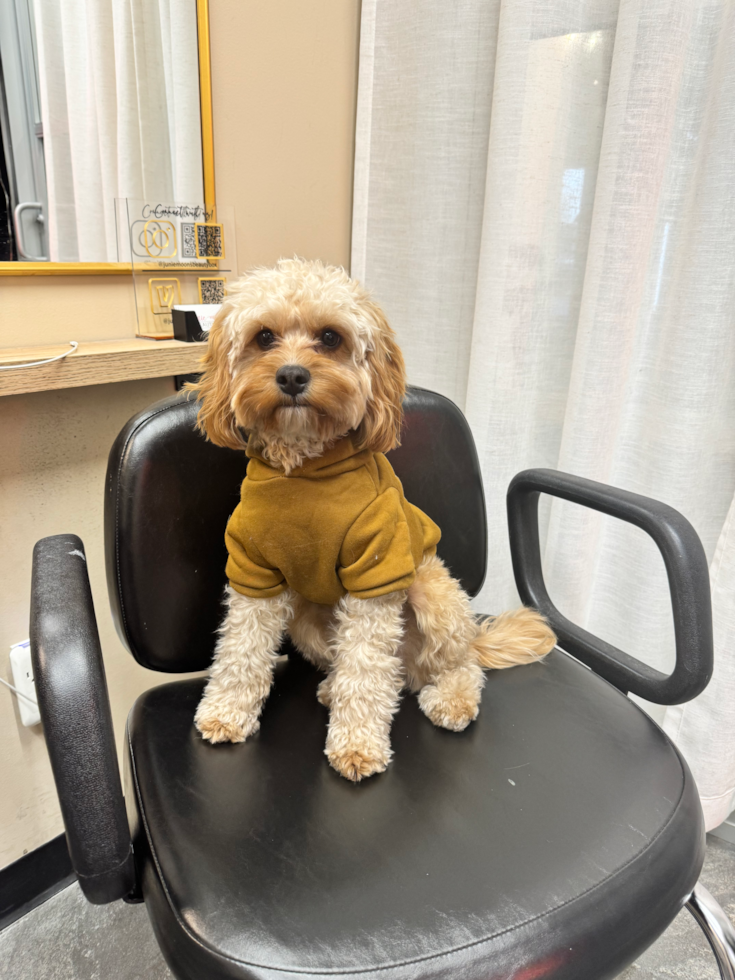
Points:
[[340, 458]]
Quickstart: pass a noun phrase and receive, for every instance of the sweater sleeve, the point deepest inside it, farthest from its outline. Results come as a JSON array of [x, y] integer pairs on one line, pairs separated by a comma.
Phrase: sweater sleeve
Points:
[[376, 557], [246, 569]]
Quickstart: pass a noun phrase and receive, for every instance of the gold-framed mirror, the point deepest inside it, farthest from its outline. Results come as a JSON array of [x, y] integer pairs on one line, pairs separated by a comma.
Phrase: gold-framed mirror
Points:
[[136, 76]]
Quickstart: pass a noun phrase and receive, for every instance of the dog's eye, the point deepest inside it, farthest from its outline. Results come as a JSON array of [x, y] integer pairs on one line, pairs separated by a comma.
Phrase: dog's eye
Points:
[[330, 338], [265, 339]]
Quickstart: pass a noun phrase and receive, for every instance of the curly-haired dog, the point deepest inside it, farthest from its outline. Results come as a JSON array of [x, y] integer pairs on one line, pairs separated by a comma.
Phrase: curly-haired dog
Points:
[[324, 545]]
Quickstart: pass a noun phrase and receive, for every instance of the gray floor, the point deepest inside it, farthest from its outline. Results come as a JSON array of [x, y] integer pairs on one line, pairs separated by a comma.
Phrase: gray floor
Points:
[[68, 939]]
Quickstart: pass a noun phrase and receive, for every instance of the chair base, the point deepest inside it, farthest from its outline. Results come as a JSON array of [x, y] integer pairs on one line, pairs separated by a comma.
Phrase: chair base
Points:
[[717, 927]]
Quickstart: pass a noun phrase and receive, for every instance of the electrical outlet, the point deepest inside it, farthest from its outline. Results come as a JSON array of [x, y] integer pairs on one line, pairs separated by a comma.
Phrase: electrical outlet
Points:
[[22, 667]]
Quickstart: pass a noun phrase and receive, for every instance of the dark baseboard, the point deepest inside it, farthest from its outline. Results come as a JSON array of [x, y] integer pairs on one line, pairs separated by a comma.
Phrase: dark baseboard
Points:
[[32, 879]]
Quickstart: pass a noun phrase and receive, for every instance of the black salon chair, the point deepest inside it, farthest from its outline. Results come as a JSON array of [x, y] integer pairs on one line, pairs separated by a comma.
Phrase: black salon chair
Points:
[[556, 837]]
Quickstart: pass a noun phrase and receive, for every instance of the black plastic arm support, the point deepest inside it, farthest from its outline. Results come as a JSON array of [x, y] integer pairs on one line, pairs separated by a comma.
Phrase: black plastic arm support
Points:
[[686, 567], [75, 711]]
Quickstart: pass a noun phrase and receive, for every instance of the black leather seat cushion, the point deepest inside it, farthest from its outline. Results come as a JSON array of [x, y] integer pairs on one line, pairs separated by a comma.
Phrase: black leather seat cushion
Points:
[[555, 838]]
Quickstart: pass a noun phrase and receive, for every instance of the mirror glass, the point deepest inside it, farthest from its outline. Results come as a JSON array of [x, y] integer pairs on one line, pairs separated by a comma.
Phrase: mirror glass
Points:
[[99, 99]]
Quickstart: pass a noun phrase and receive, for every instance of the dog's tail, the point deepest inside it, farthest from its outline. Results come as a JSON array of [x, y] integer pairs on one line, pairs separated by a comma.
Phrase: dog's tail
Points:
[[517, 637]]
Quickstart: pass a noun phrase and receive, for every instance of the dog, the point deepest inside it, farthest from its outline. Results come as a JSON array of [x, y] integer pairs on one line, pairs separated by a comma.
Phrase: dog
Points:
[[303, 372]]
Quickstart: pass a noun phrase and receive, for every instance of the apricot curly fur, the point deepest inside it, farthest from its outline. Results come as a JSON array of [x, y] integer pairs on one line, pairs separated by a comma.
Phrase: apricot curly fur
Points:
[[426, 640]]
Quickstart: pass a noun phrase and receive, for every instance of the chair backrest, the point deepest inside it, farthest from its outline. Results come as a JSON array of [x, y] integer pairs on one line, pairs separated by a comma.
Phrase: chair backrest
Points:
[[170, 493]]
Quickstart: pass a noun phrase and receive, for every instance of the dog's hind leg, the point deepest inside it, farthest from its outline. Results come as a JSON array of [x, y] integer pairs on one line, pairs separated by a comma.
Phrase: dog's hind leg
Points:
[[457, 646], [444, 618], [453, 700], [242, 672], [311, 631], [365, 683]]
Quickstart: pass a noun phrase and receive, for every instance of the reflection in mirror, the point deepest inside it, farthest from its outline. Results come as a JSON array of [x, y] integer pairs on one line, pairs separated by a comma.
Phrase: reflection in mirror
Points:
[[99, 99]]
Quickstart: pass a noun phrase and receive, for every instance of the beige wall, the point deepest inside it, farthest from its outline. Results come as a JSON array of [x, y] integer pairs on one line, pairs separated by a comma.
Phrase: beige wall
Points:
[[53, 447], [284, 124], [284, 81]]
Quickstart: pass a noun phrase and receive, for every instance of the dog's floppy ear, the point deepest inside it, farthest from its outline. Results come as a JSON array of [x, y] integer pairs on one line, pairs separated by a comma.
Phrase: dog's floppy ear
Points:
[[380, 429], [216, 419]]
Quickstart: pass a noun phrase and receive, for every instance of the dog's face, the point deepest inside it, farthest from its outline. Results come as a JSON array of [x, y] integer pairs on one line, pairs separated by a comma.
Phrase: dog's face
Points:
[[299, 355]]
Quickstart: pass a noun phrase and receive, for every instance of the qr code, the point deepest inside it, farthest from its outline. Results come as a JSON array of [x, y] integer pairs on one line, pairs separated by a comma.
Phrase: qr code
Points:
[[188, 240], [211, 290], [210, 244]]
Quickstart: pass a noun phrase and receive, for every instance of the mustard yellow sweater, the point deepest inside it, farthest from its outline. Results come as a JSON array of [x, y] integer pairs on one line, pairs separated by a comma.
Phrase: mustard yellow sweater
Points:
[[337, 524]]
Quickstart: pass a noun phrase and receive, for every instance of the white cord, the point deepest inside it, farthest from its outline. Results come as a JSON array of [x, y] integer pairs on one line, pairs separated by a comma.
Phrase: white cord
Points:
[[20, 693], [49, 360]]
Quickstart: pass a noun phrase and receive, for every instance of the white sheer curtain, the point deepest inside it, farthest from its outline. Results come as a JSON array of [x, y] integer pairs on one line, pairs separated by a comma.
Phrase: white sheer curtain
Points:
[[120, 108], [545, 206]]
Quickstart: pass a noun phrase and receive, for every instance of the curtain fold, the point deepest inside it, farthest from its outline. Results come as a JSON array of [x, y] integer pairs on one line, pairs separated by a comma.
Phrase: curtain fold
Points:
[[120, 107], [545, 208]]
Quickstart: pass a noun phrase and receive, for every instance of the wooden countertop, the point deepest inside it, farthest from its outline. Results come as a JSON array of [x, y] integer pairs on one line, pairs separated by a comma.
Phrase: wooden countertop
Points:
[[94, 363]]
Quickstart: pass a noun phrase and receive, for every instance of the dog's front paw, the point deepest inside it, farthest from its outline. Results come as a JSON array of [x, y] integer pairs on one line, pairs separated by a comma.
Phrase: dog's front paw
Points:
[[454, 712], [357, 753], [356, 764], [217, 722]]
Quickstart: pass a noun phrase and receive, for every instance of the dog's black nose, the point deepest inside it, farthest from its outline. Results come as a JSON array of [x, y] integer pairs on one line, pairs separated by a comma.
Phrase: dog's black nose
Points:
[[292, 379]]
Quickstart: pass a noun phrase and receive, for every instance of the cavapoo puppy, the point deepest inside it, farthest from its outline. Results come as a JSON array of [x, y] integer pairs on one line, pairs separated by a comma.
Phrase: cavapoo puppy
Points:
[[303, 372]]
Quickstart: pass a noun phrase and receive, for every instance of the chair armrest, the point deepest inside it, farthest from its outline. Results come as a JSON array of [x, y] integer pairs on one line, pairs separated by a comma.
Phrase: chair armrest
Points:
[[686, 568], [75, 711]]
